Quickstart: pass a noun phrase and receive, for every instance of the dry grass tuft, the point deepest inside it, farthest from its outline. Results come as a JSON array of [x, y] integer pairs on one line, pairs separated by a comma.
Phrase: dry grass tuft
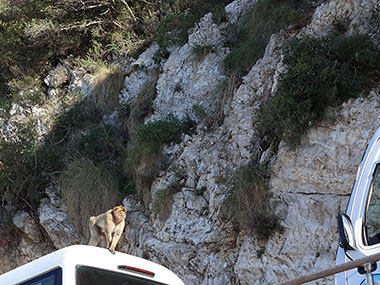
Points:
[[87, 190]]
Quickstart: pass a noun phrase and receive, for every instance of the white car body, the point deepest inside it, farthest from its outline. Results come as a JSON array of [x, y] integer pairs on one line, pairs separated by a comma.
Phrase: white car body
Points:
[[357, 211], [69, 260]]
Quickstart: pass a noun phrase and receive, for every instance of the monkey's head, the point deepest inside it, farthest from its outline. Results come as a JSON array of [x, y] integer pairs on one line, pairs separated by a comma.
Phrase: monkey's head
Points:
[[120, 212]]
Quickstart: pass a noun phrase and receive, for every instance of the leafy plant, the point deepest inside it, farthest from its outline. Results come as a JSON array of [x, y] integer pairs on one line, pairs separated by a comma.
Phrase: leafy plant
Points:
[[182, 15], [199, 112], [322, 72], [100, 143]]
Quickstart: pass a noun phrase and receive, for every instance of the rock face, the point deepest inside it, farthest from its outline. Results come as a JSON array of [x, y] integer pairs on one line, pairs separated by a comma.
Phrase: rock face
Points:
[[310, 185], [190, 81], [53, 217]]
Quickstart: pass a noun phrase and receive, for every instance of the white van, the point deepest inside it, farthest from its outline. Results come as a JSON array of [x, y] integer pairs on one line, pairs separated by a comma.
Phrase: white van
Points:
[[89, 265], [359, 227]]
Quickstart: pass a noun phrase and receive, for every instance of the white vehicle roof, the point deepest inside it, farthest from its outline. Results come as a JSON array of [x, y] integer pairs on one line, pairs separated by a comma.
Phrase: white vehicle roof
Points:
[[68, 258]]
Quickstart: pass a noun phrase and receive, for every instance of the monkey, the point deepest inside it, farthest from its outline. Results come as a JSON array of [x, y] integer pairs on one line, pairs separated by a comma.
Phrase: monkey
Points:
[[107, 228]]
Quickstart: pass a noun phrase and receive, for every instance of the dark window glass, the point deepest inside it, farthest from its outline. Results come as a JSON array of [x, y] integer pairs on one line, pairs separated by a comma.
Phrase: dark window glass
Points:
[[87, 275], [373, 210], [51, 278]]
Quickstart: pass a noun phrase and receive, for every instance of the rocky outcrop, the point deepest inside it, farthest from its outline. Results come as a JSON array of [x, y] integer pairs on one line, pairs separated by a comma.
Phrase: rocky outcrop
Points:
[[54, 218], [310, 185]]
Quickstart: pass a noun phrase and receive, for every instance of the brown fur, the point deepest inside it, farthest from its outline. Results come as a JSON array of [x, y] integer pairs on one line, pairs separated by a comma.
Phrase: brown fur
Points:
[[107, 228]]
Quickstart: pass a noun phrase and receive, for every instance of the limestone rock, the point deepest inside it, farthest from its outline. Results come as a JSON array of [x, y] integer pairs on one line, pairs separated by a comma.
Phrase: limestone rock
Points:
[[57, 77], [54, 218], [237, 8], [25, 223], [31, 243], [141, 74], [309, 185], [187, 82]]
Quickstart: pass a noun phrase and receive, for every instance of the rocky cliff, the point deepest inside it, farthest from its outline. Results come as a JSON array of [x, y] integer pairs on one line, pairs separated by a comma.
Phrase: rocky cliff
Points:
[[310, 184]]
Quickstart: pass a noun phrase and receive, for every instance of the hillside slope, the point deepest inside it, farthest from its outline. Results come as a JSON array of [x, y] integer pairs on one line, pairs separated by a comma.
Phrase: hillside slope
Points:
[[196, 238]]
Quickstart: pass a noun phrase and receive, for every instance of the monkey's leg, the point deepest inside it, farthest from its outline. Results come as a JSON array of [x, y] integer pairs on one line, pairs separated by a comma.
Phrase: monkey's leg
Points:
[[103, 241], [108, 236], [94, 240], [95, 234], [115, 240]]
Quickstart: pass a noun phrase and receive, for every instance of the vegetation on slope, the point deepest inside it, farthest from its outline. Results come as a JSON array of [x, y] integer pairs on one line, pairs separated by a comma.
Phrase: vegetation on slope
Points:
[[250, 37], [87, 154], [322, 72], [35, 35]]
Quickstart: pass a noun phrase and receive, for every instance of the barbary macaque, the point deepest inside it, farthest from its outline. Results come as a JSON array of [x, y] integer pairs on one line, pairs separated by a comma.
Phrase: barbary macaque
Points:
[[107, 228]]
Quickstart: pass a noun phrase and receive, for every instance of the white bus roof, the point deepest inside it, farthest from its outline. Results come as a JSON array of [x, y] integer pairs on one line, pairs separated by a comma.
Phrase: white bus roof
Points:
[[68, 258]]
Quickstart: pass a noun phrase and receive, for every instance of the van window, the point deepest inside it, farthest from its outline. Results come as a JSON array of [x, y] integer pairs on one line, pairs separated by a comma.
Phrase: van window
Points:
[[51, 278], [87, 275], [373, 210]]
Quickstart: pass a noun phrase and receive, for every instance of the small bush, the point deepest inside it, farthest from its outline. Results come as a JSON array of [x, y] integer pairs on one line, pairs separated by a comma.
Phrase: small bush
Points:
[[79, 132], [321, 73], [101, 144], [219, 14], [265, 18], [173, 29], [199, 112], [88, 190], [248, 204], [80, 116], [19, 175], [27, 91], [145, 159]]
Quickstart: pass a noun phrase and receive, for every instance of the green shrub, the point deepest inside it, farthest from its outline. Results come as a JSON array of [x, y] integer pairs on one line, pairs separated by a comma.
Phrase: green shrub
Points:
[[64, 138], [199, 112], [265, 18], [27, 91], [79, 132], [248, 204], [219, 14], [79, 116], [145, 158], [321, 73], [88, 190], [19, 175], [173, 29], [100, 143]]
